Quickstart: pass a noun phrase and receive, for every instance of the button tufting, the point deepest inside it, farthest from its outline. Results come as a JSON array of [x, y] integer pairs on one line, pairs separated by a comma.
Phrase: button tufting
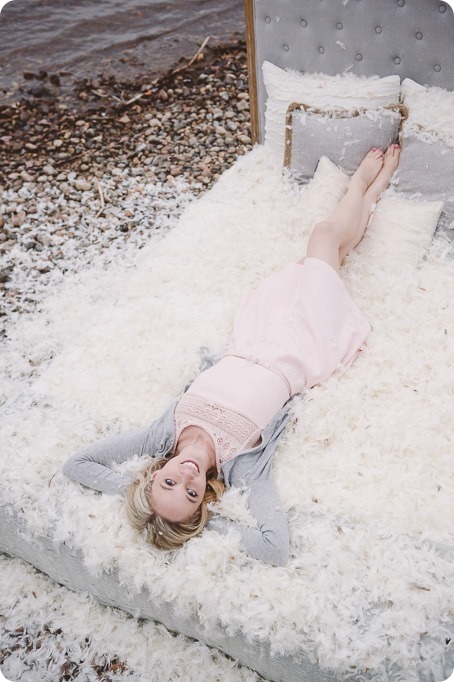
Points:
[[378, 29], [437, 67], [401, 3], [321, 50], [442, 8], [419, 35], [268, 20], [303, 23], [359, 57], [397, 60], [286, 48], [339, 25]]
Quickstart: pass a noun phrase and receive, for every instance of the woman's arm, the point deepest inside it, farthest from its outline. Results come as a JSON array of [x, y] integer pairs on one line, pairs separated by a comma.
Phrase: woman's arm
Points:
[[270, 542], [90, 466]]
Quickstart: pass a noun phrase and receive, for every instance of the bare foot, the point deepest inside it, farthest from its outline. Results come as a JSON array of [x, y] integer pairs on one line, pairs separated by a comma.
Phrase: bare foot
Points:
[[390, 163], [368, 169]]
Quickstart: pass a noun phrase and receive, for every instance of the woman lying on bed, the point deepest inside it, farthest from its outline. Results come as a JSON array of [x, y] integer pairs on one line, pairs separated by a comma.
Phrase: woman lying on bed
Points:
[[290, 334]]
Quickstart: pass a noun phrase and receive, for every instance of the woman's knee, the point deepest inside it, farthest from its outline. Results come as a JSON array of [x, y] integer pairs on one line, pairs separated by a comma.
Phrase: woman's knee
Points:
[[326, 229]]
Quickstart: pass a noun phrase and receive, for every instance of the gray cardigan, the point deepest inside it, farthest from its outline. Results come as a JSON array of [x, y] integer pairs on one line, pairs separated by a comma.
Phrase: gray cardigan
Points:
[[90, 466]]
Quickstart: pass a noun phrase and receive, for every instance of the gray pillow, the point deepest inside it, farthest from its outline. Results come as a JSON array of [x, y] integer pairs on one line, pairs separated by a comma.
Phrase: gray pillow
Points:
[[427, 169], [345, 137]]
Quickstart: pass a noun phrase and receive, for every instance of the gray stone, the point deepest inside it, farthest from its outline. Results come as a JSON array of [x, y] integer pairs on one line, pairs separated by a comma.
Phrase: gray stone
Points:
[[82, 185]]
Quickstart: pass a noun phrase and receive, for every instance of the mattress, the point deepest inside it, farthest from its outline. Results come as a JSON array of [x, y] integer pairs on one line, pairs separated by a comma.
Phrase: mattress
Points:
[[364, 471]]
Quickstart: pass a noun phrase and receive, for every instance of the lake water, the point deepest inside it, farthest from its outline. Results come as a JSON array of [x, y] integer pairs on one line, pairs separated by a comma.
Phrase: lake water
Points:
[[121, 37]]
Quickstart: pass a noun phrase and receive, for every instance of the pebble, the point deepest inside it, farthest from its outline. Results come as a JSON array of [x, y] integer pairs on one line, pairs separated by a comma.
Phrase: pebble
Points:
[[82, 185], [44, 239], [19, 219]]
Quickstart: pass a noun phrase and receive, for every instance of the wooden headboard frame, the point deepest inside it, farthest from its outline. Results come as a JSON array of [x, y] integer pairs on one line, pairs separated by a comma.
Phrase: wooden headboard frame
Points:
[[410, 38]]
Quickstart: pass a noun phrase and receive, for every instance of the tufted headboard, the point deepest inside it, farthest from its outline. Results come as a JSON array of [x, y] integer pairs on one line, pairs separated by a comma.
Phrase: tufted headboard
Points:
[[410, 38]]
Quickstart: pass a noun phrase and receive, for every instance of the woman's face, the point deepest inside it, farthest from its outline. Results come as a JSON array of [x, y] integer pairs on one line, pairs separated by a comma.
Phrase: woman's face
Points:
[[179, 487]]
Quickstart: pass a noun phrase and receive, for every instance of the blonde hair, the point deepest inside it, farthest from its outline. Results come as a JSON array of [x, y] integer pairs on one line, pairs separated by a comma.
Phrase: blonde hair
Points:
[[160, 532]]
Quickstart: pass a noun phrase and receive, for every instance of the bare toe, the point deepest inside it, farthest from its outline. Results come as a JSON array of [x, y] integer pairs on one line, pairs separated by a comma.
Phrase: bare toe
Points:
[[376, 153], [391, 158]]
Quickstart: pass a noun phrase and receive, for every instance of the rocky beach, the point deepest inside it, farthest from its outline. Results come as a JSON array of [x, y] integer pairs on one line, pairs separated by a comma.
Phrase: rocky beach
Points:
[[84, 174], [85, 178]]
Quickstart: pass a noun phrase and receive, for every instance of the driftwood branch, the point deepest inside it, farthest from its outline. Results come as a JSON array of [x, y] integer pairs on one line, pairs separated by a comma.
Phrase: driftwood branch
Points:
[[66, 159], [129, 101], [119, 99], [101, 197], [192, 60]]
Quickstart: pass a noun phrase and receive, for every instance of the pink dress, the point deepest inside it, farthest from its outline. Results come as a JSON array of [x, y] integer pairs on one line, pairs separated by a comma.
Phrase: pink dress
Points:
[[293, 331], [302, 323]]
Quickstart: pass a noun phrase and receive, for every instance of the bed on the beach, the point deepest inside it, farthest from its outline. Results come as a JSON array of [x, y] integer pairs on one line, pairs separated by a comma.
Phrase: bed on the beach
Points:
[[365, 470]]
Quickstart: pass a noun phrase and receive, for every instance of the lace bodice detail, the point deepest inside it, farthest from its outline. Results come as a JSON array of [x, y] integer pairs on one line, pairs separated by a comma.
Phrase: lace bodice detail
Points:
[[231, 432]]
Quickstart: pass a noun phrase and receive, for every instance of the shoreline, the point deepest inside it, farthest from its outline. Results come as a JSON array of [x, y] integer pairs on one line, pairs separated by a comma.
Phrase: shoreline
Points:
[[109, 96], [103, 37], [69, 168], [46, 80]]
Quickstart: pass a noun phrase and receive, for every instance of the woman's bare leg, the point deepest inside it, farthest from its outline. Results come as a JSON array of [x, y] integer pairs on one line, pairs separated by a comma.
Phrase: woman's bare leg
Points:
[[381, 182], [342, 225], [344, 228]]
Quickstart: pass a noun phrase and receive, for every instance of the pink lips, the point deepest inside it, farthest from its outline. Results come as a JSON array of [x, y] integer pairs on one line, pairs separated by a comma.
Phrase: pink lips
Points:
[[192, 462]]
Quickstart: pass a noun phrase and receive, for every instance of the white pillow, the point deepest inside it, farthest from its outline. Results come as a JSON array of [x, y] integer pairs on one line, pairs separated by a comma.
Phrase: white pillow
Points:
[[319, 90], [329, 175], [400, 232], [430, 112]]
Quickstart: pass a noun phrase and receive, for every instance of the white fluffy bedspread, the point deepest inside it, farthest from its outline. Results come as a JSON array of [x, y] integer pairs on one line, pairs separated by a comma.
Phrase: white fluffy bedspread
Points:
[[365, 470]]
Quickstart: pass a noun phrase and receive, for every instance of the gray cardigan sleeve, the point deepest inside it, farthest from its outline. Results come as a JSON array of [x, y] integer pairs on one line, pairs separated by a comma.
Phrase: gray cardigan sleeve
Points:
[[91, 466], [270, 541]]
